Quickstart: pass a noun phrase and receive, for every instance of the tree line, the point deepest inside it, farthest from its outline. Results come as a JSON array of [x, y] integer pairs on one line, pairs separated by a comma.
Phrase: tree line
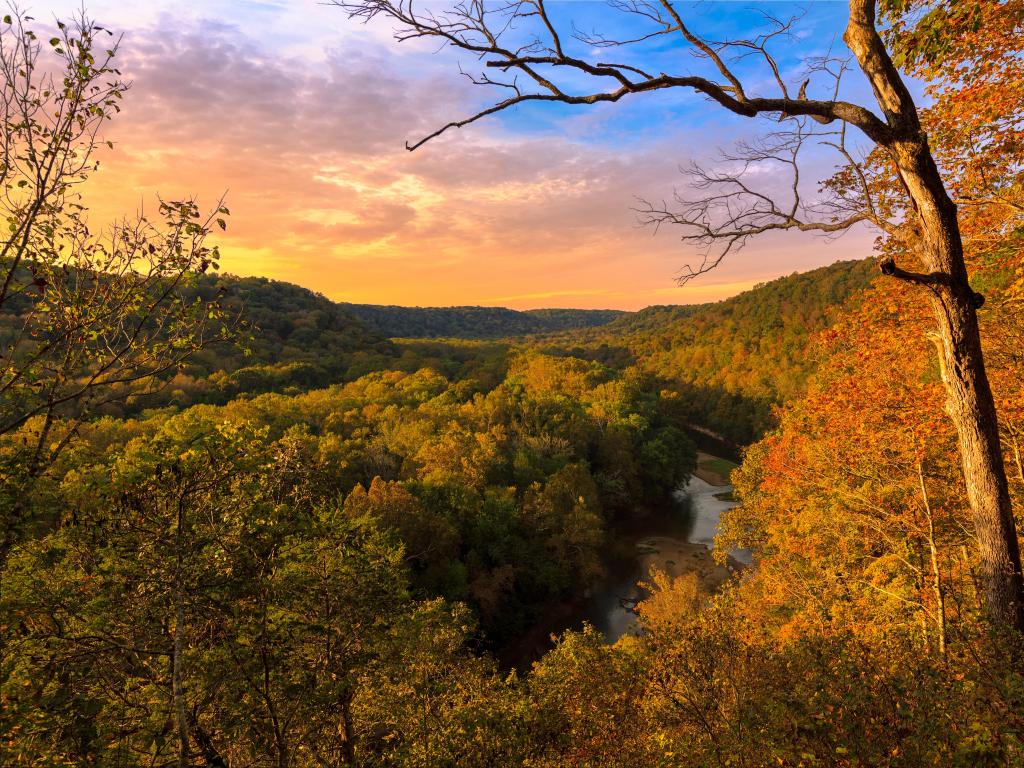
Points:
[[317, 575]]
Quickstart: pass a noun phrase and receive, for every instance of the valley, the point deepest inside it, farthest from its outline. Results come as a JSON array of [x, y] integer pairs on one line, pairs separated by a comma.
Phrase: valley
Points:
[[365, 515]]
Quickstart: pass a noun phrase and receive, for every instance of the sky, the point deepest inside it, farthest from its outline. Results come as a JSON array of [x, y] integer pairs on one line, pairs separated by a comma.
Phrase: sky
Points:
[[299, 115]]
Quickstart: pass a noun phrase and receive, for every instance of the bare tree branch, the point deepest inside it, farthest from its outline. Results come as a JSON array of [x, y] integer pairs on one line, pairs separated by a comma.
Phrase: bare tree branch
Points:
[[730, 208], [483, 31]]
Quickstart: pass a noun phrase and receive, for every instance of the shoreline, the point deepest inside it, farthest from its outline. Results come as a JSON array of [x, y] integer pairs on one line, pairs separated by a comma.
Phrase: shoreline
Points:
[[709, 469], [676, 558], [633, 555]]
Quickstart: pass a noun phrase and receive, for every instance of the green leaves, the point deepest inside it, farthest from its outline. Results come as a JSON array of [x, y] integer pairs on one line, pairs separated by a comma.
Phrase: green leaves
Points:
[[90, 318]]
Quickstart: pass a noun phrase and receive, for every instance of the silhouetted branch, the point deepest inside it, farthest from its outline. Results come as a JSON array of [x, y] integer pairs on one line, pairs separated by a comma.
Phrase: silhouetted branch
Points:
[[733, 209], [520, 35]]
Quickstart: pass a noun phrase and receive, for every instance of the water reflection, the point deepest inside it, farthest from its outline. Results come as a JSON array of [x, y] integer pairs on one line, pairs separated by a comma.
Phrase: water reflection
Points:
[[610, 602], [705, 509]]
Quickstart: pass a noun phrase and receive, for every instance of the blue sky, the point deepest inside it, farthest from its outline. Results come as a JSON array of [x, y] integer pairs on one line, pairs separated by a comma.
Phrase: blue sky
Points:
[[302, 113]]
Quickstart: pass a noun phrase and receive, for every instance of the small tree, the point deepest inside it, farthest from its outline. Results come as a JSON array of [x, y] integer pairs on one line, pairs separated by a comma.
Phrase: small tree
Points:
[[529, 56], [86, 317]]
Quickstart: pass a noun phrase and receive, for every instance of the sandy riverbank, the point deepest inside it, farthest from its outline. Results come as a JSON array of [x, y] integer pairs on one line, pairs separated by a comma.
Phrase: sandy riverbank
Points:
[[677, 558], [712, 469]]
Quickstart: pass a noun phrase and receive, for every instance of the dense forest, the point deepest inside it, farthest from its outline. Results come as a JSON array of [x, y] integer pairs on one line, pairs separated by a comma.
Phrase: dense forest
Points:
[[244, 525], [727, 364], [475, 322], [732, 361]]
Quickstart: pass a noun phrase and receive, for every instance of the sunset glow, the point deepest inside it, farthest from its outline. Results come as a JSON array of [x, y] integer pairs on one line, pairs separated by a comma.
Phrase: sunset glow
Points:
[[300, 116]]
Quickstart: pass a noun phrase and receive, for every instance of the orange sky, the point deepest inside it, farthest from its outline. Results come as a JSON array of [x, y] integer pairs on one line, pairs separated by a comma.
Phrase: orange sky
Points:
[[303, 125]]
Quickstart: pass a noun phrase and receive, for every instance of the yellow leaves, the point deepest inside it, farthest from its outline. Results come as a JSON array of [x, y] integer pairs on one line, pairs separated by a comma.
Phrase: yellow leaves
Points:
[[671, 600]]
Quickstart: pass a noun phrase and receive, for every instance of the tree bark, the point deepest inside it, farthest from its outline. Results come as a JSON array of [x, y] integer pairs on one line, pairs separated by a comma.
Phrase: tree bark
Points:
[[348, 742], [177, 680], [933, 551], [970, 404]]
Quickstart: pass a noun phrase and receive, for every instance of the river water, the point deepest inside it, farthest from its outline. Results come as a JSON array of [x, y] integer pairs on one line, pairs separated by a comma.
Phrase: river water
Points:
[[609, 603], [703, 509]]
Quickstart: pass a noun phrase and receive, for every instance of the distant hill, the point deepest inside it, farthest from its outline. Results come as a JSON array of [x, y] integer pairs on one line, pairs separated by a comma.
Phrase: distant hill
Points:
[[290, 324], [730, 361], [656, 318], [475, 322], [294, 340], [733, 360]]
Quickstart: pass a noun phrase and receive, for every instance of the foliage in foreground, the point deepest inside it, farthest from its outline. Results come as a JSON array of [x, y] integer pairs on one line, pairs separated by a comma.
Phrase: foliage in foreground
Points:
[[284, 580]]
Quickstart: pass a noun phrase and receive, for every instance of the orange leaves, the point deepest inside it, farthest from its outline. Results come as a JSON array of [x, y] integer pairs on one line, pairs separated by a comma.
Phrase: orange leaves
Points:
[[976, 122], [831, 500]]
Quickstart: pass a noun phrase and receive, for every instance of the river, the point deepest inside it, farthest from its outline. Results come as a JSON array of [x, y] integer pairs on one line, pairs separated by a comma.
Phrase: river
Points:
[[677, 541], [667, 542]]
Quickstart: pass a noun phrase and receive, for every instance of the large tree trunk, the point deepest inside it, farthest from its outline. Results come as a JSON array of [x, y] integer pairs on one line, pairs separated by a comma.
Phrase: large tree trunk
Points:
[[971, 407], [970, 404]]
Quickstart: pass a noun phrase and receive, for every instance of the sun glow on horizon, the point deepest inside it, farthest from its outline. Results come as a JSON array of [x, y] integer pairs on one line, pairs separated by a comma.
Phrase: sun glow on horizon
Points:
[[308, 139]]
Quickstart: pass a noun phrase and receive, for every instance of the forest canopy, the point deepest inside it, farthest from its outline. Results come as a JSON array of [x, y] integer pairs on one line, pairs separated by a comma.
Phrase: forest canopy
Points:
[[245, 525]]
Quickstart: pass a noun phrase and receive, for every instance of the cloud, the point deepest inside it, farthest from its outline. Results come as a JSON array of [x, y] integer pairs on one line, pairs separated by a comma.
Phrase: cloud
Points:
[[323, 193]]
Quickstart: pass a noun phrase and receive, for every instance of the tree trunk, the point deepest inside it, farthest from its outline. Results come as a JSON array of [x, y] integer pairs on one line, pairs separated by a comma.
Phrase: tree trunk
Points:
[[177, 678], [969, 403], [937, 239], [933, 551], [348, 742], [1016, 456]]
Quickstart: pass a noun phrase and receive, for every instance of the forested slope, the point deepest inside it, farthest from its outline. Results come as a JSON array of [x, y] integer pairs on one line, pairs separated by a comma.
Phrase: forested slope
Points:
[[289, 339], [474, 322], [726, 364], [731, 361], [317, 576], [288, 324]]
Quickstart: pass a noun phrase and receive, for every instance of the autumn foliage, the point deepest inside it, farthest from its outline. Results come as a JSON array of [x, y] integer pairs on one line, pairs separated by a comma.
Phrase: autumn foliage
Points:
[[320, 557]]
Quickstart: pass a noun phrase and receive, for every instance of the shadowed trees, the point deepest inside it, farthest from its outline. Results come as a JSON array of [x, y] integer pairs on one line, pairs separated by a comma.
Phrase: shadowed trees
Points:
[[529, 55]]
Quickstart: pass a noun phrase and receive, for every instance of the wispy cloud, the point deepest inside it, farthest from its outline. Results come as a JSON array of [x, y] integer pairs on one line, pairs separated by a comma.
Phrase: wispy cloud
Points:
[[304, 122]]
